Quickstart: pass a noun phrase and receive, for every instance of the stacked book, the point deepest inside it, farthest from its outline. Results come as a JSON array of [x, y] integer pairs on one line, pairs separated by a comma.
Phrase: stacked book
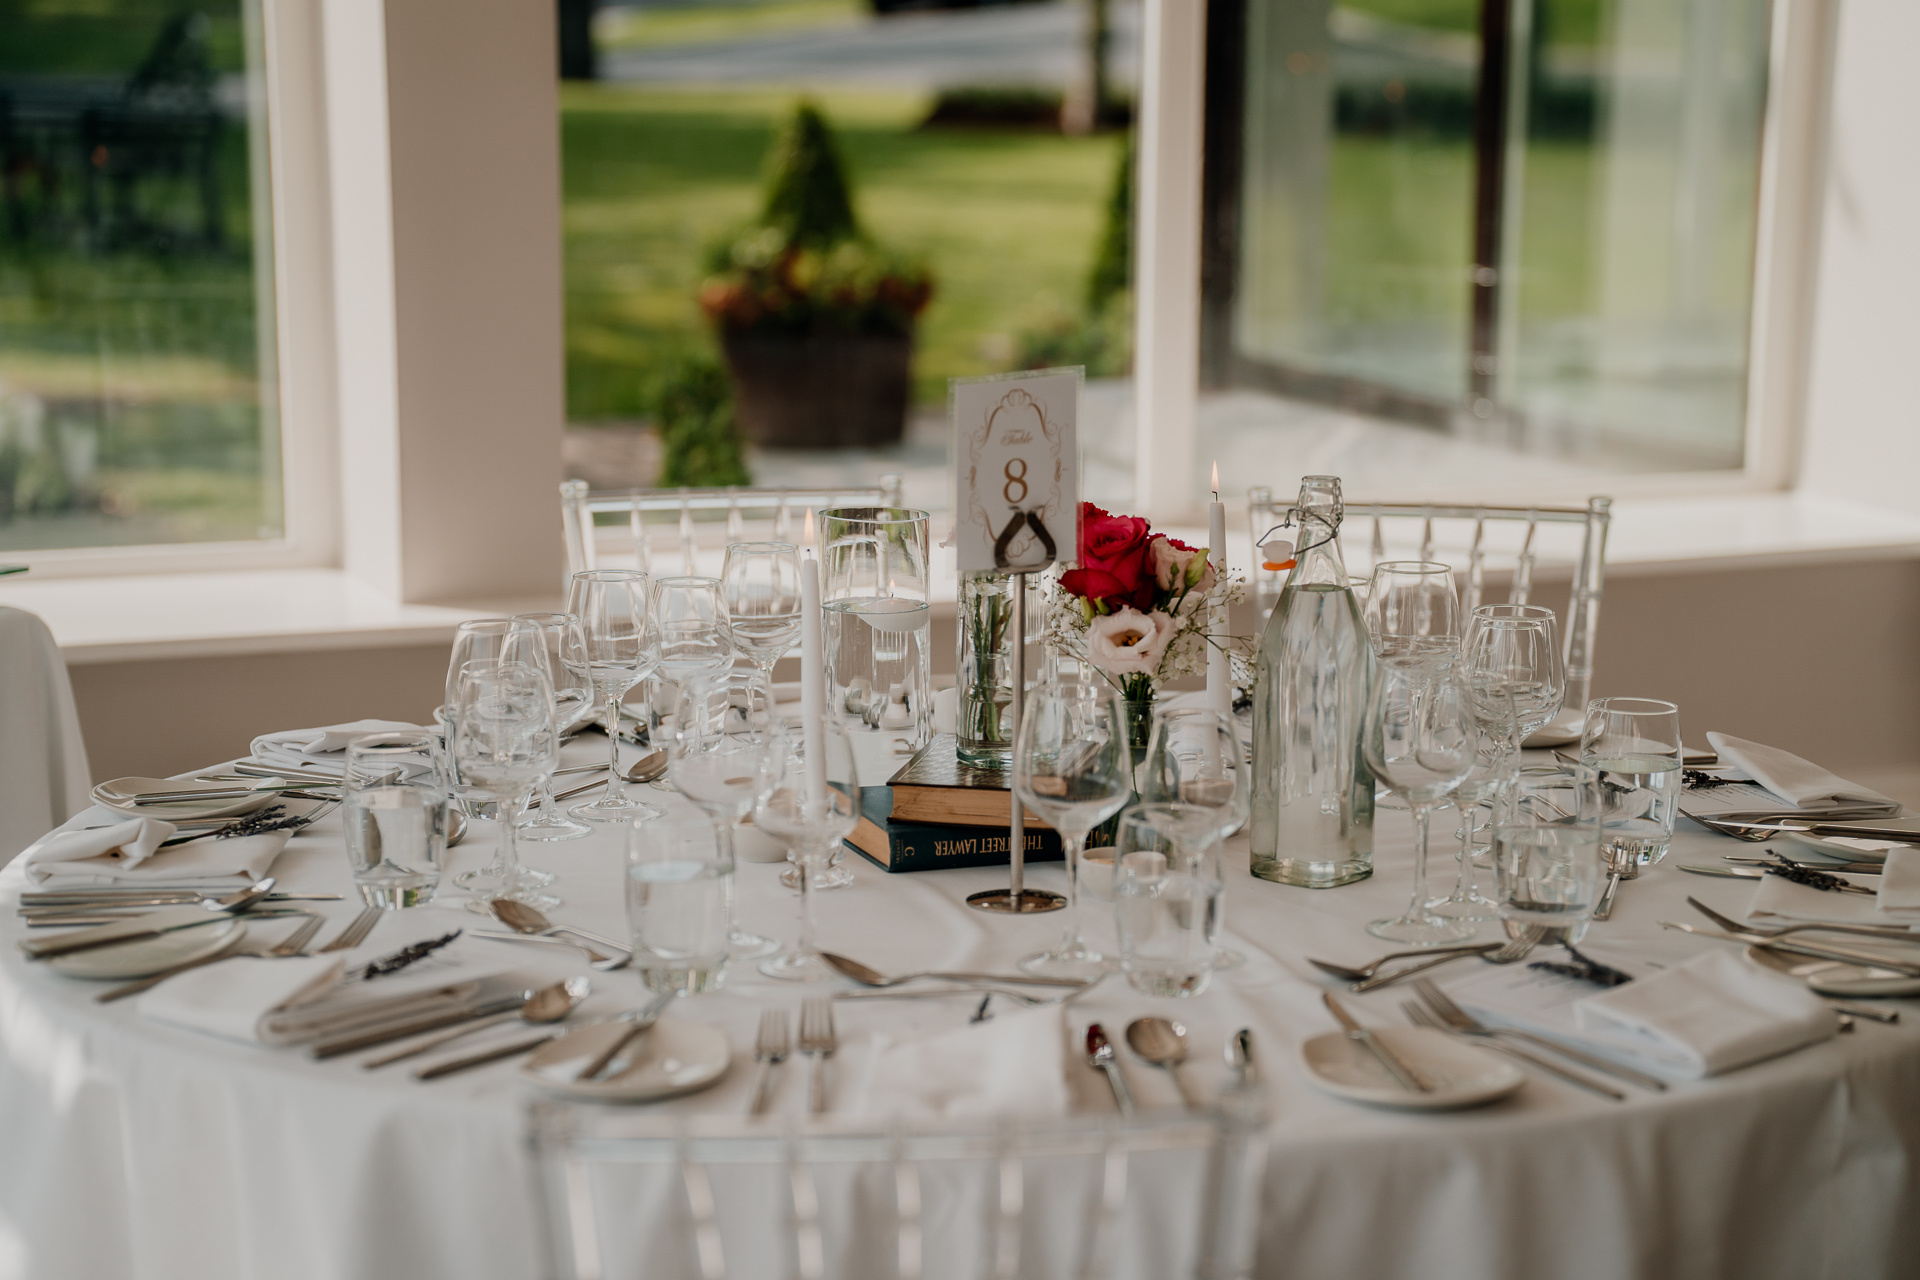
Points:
[[939, 811]]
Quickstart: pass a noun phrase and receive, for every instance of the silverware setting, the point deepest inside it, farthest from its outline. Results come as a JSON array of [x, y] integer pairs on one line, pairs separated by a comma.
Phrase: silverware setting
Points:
[[1363, 972], [151, 925], [1163, 1044], [356, 931], [1101, 1057], [294, 944], [531, 922], [818, 1041], [1773, 943], [1421, 1016], [641, 1021], [548, 1004], [770, 1049], [1510, 952], [1887, 932], [867, 977], [1459, 1020]]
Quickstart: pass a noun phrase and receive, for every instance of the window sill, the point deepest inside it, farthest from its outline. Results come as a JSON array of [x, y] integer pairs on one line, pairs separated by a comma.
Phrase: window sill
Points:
[[99, 620]]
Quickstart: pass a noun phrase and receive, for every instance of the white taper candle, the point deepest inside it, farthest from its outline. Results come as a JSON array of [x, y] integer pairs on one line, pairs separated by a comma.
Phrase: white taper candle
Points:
[[813, 673], [1219, 669]]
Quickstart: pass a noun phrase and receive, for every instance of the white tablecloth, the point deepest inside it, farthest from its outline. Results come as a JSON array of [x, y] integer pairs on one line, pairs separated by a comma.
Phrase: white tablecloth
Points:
[[138, 1150]]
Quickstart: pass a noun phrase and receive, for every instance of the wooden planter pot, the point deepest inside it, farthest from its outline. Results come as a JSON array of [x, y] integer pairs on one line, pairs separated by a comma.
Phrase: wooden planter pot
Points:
[[824, 391]]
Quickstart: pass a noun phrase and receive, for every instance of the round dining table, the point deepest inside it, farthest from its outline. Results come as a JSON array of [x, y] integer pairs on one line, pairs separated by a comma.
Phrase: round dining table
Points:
[[135, 1148]]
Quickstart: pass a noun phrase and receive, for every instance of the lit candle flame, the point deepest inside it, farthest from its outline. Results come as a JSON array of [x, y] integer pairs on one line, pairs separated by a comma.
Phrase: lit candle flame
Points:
[[806, 532], [1216, 480]]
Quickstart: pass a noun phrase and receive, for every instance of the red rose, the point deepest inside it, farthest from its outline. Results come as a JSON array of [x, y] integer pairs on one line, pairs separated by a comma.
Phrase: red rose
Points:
[[1116, 561]]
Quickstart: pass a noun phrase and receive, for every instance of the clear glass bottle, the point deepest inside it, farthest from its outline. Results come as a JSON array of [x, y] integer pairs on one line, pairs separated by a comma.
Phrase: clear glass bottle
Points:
[[1312, 817]]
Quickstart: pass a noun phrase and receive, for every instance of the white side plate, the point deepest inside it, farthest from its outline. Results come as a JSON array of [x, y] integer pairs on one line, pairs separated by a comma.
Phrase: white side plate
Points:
[[1462, 1074], [675, 1057]]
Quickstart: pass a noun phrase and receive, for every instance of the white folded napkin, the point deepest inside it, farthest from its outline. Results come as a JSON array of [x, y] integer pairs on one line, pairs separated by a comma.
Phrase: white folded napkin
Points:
[[236, 997], [1778, 900], [1014, 1063], [323, 748], [128, 852], [1900, 884], [1804, 783], [1707, 1015]]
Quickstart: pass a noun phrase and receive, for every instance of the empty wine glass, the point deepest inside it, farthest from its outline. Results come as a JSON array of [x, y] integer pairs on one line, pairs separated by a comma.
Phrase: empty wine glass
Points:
[[1514, 674], [505, 745], [1412, 609], [728, 753], [621, 649], [695, 641], [1195, 763], [761, 582], [476, 643], [560, 649], [1073, 767], [812, 811], [1418, 739], [1492, 771]]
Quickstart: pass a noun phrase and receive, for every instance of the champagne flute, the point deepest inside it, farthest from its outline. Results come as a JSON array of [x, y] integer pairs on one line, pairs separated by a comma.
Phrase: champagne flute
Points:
[[1418, 739], [1196, 765], [761, 582], [621, 648], [728, 754], [811, 812], [561, 642], [1073, 767], [505, 745]]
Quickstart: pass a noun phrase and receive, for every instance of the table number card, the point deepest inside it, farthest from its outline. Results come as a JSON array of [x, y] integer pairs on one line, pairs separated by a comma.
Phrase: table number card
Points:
[[1016, 467]]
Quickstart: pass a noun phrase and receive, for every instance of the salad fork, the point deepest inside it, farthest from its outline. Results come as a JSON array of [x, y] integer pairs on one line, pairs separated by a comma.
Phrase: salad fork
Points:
[[770, 1050], [1887, 933], [818, 1041]]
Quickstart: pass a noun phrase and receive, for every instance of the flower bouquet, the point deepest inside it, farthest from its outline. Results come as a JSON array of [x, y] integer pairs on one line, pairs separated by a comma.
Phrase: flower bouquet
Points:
[[1138, 607]]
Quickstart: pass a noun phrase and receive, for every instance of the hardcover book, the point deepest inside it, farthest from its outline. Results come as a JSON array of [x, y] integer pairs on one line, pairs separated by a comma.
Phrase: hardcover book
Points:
[[893, 845], [938, 787]]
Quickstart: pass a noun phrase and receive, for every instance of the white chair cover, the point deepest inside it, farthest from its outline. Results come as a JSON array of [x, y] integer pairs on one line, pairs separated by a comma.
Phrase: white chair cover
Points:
[[44, 779]]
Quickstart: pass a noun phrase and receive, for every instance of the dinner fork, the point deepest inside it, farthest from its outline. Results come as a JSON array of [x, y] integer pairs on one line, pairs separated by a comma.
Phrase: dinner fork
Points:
[[294, 944], [1458, 1019], [1420, 1016], [1516, 949], [1889, 933], [818, 1041], [356, 931], [769, 1050]]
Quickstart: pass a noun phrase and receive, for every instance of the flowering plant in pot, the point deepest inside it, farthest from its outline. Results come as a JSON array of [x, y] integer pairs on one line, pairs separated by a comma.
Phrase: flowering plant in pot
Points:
[[816, 318], [1136, 608]]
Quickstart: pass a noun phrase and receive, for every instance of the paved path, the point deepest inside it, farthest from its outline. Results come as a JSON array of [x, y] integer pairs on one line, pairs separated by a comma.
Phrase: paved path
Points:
[[1019, 44]]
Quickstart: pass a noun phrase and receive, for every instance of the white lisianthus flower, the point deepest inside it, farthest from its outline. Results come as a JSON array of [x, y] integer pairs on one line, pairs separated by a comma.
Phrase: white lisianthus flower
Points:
[[1128, 642]]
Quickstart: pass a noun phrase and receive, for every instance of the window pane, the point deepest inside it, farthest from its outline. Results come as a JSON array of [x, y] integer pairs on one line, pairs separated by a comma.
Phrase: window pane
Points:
[[136, 337]]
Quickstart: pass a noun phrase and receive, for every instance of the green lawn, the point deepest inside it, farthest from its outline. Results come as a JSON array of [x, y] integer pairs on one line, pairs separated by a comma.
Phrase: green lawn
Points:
[[1008, 221], [709, 23]]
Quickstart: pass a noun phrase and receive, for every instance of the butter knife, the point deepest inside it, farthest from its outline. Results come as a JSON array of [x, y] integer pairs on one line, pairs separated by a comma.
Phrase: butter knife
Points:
[[1402, 1071], [1800, 948], [447, 1066], [429, 1022]]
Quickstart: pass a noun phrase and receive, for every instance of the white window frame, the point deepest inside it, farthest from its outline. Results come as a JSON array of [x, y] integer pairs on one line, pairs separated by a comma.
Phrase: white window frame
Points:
[[1168, 486]]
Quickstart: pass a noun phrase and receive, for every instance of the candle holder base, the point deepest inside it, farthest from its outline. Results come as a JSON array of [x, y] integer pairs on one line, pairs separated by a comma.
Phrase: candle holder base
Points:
[[1030, 902]]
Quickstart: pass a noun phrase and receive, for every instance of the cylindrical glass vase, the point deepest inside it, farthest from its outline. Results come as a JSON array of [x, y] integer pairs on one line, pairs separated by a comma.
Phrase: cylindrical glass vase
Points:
[[985, 668]]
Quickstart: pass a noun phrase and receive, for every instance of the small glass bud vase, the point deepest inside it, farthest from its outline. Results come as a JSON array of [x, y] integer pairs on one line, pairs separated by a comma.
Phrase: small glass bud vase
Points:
[[985, 668]]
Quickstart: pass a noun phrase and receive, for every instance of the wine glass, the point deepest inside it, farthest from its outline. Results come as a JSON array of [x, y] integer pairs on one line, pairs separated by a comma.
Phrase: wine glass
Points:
[[695, 641], [1073, 767], [1412, 609], [621, 648], [561, 644], [728, 753], [483, 642], [1514, 673], [1195, 764], [1492, 771], [812, 811], [761, 582], [505, 745], [1418, 739]]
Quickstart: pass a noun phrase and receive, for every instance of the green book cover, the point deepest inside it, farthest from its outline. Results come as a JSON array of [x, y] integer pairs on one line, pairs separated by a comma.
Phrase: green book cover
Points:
[[920, 846]]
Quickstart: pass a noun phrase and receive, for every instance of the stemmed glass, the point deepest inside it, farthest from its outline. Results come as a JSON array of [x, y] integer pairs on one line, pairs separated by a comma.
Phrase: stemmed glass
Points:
[[1418, 740], [813, 810], [728, 754], [478, 643], [505, 745], [695, 640], [622, 648], [561, 646], [1492, 771], [761, 582], [1412, 609], [1195, 763], [1513, 671], [1073, 767]]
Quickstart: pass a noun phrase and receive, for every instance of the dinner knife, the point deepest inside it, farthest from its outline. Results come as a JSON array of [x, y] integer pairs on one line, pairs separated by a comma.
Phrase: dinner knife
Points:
[[1401, 1070], [151, 925], [1851, 868], [1800, 948], [429, 1022], [446, 1067]]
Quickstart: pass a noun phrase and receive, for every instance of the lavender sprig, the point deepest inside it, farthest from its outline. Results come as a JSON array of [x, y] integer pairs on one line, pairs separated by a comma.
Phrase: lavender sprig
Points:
[[1697, 780], [1586, 968], [1807, 876], [405, 956]]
